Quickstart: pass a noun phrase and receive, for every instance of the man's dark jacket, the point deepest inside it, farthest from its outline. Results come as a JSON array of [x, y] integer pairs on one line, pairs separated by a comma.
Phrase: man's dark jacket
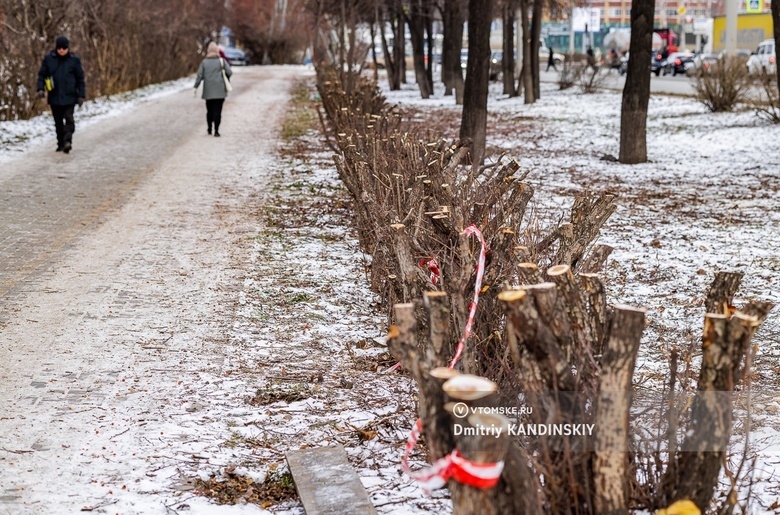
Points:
[[68, 78]]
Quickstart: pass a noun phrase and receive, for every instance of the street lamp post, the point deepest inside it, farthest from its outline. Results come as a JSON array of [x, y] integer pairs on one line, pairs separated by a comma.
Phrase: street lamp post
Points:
[[731, 26]]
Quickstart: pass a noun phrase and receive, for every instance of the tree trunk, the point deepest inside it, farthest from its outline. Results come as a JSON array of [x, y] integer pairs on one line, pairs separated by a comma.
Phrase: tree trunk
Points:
[[373, 46], [448, 44], [416, 22], [431, 44], [391, 54], [473, 123], [610, 464], [457, 19], [526, 78], [636, 93], [536, 32], [508, 64], [725, 344], [776, 30], [399, 70]]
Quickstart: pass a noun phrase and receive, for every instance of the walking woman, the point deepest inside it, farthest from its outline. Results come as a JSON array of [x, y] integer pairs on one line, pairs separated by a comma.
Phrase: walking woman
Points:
[[214, 87]]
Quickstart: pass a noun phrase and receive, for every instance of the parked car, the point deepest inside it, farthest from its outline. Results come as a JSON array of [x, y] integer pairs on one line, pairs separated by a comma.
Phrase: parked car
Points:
[[656, 63], [763, 60], [235, 56], [678, 63], [703, 62]]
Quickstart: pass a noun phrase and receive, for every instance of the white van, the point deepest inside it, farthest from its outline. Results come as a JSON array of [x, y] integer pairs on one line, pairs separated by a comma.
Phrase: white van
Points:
[[763, 60]]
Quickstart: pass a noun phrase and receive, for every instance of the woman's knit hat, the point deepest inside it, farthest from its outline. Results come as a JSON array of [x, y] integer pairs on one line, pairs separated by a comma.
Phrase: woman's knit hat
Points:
[[62, 42]]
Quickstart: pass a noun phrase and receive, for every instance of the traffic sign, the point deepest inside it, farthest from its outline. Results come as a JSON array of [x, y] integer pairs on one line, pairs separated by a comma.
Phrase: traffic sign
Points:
[[681, 10], [754, 6]]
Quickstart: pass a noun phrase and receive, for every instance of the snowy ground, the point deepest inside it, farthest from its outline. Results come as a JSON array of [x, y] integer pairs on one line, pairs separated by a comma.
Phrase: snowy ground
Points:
[[279, 347], [218, 319], [20, 136]]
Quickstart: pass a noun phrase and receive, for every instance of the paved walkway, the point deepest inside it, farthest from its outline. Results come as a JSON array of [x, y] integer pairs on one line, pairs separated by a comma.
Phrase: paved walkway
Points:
[[116, 265]]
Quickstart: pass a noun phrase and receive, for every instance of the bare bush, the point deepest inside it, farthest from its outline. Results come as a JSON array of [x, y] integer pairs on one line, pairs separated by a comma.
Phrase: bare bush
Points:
[[270, 34], [415, 194], [570, 74], [724, 85], [590, 79], [123, 44], [768, 107], [543, 337]]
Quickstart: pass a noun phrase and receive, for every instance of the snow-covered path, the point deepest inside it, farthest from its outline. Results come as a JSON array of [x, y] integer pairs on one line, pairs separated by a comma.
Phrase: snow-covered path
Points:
[[108, 327]]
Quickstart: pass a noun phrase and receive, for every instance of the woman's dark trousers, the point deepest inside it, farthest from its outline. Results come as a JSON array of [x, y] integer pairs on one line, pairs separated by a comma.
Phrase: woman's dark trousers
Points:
[[214, 112]]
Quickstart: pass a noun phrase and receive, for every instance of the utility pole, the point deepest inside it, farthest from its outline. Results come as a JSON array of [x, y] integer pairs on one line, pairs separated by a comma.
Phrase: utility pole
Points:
[[731, 26], [571, 30]]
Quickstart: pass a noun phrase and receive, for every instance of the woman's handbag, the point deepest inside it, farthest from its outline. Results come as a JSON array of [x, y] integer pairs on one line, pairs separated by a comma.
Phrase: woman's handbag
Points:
[[228, 86]]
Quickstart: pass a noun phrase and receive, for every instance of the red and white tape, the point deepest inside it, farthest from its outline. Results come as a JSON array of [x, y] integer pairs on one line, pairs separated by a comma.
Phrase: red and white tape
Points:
[[433, 266], [472, 230], [454, 465]]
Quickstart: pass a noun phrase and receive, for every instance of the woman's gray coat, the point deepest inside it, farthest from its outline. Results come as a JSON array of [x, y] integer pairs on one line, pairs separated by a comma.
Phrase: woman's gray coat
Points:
[[210, 73]]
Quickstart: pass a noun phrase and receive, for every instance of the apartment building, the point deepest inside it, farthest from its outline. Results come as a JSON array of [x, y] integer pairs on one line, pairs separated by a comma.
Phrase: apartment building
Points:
[[670, 13]]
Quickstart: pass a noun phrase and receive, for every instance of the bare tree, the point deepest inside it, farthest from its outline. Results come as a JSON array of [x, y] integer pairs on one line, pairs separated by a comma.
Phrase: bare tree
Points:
[[508, 9], [536, 33], [636, 93], [526, 77], [274, 31], [171, 30], [453, 16], [419, 13], [473, 123], [394, 57]]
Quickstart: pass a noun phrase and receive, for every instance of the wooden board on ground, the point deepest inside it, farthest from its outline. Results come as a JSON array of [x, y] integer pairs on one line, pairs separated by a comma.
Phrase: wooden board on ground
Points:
[[326, 482]]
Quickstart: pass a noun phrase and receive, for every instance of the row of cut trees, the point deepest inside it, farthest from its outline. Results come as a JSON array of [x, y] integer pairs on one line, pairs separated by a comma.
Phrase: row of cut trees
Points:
[[544, 336]]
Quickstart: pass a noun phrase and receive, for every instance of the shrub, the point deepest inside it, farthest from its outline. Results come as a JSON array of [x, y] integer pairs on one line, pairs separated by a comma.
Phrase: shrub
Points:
[[724, 85], [768, 106]]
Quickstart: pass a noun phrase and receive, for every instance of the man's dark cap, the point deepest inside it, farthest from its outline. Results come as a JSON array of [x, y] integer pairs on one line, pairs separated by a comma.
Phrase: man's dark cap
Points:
[[62, 42]]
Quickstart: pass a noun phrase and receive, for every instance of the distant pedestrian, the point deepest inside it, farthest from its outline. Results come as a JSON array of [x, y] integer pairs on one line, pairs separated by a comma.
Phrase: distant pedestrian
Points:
[[592, 59], [214, 89], [614, 60], [551, 61], [62, 76]]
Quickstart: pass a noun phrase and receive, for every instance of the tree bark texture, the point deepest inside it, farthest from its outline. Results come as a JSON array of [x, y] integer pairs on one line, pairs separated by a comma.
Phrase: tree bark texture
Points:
[[610, 464], [397, 21], [536, 32], [725, 344], [636, 92], [526, 75], [473, 125], [508, 63], [776, 32], [431, 45], [416, 21], [722, 292]]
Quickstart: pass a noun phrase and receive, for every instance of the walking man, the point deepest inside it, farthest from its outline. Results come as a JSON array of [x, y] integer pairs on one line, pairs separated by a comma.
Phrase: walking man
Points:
[[62, 76], [551, 61], [591, 59]]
